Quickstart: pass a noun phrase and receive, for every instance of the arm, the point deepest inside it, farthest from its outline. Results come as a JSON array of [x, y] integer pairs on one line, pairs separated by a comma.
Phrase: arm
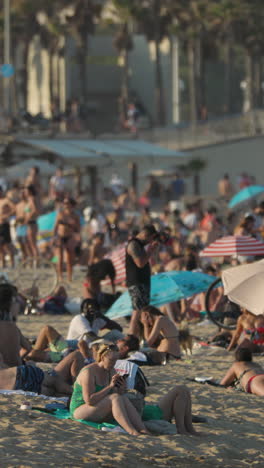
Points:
[[56, 224], [88, 389], [229, 378], [152, 334], [139, 255], [236, 335]]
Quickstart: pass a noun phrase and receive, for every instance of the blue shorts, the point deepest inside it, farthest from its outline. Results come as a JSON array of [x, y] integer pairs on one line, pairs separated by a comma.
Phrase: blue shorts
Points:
[[29, 378], [21, 231]]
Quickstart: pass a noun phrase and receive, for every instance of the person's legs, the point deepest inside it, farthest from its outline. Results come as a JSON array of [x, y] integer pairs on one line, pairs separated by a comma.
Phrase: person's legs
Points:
[[9, 250], [46, 336], [32, 239], [112, 404], [69, 262], [70, 366], [177, 403], [54, 384], [134, 416], [59, 254]]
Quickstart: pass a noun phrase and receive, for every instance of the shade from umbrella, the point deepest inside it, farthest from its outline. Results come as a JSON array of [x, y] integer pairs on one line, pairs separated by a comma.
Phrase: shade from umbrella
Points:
[[244, 286], [234, 245], [246, 194], [165, 288]]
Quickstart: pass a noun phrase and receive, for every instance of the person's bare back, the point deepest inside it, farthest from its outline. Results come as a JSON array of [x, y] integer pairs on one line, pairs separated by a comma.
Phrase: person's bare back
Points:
[[11, 341]]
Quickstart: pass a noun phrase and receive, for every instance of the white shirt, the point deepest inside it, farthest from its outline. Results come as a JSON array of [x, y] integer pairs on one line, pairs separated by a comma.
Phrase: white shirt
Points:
[[80, 325], [58, 183]]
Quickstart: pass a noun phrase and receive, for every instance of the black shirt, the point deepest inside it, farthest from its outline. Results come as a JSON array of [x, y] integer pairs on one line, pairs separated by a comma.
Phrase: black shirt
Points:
[[134, 274]]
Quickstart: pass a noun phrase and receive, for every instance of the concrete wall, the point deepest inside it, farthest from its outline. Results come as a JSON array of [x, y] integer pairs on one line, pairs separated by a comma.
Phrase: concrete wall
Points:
[[234, 157]]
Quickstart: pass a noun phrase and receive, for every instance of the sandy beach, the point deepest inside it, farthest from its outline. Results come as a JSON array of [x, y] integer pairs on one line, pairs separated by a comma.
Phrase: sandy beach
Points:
[[232, 437]]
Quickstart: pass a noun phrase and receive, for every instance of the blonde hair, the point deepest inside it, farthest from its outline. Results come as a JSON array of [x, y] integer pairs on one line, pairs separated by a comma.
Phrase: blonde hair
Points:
[[104, 349]]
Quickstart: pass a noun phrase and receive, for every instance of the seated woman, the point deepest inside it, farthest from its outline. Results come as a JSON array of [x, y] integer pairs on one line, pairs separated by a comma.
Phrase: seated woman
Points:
[[249, 375], [98, 394], [159, 327], [249, 332]]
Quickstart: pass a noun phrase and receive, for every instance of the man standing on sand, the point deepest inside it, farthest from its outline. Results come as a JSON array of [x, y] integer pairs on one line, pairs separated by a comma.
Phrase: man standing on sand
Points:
[[138, 272]]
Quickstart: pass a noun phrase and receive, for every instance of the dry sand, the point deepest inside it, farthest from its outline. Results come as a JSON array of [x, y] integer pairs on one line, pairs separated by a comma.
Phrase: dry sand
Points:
[[233, 436]]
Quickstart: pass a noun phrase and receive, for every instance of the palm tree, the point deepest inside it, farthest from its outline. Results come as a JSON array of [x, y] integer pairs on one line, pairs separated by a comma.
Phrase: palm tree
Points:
[[80, 25], [123, 43]]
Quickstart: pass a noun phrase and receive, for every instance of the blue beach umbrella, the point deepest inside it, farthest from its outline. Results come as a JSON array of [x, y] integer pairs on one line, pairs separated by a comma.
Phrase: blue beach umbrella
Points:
[[166, 287], [246, 194]]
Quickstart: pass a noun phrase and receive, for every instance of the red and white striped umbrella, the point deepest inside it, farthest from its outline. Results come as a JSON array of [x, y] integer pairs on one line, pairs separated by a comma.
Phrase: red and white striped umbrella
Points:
[[118, 257], [234, 245]]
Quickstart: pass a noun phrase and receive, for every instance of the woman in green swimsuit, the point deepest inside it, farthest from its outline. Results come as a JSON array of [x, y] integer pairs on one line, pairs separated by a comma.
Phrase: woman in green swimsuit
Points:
[[98, 394]]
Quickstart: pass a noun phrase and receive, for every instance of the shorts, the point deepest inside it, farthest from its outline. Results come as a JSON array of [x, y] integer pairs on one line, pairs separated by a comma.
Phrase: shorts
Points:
[[29, 378], [5, 237], [140, 296], [59, 349], [21, 231]]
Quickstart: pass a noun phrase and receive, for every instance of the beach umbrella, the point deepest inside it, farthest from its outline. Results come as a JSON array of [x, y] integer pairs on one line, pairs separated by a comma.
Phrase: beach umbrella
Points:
[[118, 258], [166, 287], [234, 246], [246, 194], [244, 286]]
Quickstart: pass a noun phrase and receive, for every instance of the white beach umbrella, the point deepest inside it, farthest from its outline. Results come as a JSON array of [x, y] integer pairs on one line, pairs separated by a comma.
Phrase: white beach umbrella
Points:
[[244, 285]]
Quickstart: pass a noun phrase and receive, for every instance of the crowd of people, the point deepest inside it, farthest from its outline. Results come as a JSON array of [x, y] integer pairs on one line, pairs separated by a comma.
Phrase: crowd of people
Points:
[[96, 363]]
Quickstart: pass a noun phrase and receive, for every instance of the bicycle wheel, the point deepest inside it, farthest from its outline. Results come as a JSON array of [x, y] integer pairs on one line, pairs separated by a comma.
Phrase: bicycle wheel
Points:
[[227, 312], [36, 278]]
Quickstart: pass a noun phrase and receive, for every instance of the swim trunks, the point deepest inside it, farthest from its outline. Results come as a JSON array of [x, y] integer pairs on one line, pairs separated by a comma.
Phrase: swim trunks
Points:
[[29, 378], [140, 296], [5, 237]]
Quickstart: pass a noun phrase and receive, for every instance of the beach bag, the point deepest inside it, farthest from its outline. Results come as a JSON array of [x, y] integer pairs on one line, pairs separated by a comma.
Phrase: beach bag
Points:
[[136, 378]]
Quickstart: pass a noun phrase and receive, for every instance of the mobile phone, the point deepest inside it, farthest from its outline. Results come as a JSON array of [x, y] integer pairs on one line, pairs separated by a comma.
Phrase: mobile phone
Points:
[[125, 376]]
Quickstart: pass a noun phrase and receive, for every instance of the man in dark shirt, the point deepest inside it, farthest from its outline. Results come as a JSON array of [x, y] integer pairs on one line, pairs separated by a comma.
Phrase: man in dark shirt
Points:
[[138, 272]]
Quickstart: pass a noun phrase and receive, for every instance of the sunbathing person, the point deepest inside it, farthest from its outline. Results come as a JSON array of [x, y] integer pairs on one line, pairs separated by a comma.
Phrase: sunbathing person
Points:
[[249, 375], [99, 395], [31, 379], [249, 332], [71, 365], [159, 328], [50, 346]]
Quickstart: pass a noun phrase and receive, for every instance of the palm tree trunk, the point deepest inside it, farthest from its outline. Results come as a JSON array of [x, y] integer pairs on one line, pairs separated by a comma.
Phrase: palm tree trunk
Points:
[[196, 183], [125, 80], [51, 76], [249, 90], [228, 52], [192, 83], [159, 90], [257, 81]]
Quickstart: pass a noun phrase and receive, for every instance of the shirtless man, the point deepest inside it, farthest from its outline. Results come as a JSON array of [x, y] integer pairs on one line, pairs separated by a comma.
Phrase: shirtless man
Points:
[[67, 232], [250, 331], [31, 379], [7, 209]]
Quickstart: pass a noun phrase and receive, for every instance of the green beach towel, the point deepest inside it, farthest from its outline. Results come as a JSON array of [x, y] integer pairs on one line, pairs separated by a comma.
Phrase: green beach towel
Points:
[[65, 414]]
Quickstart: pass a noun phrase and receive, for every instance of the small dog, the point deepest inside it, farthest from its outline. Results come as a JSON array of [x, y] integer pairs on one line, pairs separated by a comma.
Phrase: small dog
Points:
[[185, 339]]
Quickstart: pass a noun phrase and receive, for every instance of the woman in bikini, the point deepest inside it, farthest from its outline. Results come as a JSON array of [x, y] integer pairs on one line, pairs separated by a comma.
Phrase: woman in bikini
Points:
[[31, 213], [158, 327], [67, 232], [98, 394], [249, 375]]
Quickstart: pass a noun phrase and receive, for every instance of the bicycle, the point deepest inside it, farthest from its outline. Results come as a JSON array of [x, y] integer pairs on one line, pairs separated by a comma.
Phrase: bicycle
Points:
[[226, 312]]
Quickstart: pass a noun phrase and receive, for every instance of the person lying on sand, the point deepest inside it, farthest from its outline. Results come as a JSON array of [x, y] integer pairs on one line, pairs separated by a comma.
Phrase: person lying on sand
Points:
[[71, 364], [159, 328], [31, 379], [50, 346], [98, 396], [249, 375], [249, 332]]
